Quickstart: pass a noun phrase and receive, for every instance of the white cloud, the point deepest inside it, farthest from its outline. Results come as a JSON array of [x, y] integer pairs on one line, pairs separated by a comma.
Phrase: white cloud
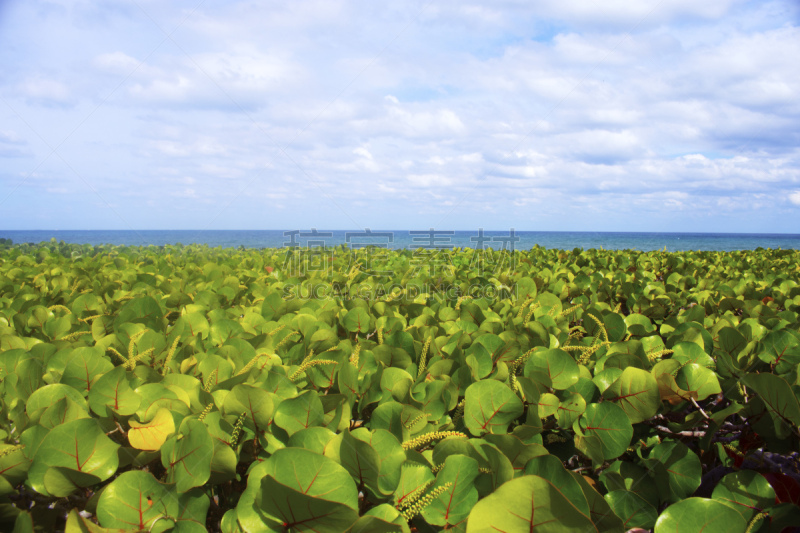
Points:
[[508, 113]]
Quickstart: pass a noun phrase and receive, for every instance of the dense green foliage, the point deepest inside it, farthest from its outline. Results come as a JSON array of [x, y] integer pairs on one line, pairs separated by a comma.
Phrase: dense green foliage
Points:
[[184, 388]]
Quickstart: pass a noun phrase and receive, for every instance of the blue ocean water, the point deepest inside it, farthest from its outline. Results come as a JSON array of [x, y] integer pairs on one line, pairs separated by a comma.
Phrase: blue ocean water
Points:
[[410, 239]]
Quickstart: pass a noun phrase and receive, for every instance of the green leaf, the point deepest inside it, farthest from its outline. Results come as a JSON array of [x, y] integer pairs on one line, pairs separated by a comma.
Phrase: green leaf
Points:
[[599, 511], [552, 469], [152, 434], [609, 423], [137, 500], [682, 467], [490, 407], [555, 363], [357, 320], [313, 474], [296, 511], [632, 509], [84, 367], [454, 504], [700, 515], [112, 393], [698, 380], [301, 412], [528, 503], [144, 310], [187, 455], [255, 403], [779, 399], [746, 492], [79, 445], [570, 409], [636, 391], [78, 524], [413, 476], [45, 397], [518, 452]]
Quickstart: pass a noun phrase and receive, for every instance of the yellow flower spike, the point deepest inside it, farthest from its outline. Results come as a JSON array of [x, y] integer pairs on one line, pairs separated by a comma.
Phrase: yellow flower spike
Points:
[[423, 502], [210, 380], [206, 411], [413, 497], [354, 355], [308, 364], [652, 356], [423, 440], [74, 335], [237, 429], [170, 354], [130, 364], [423, 358]]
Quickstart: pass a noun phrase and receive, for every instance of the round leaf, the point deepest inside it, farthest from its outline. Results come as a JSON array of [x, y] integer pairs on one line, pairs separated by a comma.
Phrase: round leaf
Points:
[[490, 406], [528, 503], [700, 515], [609, 423]]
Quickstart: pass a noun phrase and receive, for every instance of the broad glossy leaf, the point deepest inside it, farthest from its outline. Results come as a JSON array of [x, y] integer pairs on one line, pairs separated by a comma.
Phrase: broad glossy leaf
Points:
[[382, 518], [600, 512], [296, 511], [256, 404], [550, 468], [529, 503], [313, 474], [357, 320], [490, 407], [682, 467], [664, 371], [138, 500], [301, 412], [454, 504], [517, 451], [80, 445], [570, 409], [557, 364], [78, 524], [700, 515], [356, 454], [112, 392], [45, 397], [144, 310], [151, 435], [314, 439], [547, 405], [611, 425], [413, 476], [60, 481], [632, 509], [63, 410], [699, 381], [746, 491], [84, 367], [636, 391], [187, 455], [779, 399]]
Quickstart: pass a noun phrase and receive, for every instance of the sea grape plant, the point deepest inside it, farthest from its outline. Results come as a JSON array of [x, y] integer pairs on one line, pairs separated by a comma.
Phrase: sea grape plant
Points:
[[184, 388]]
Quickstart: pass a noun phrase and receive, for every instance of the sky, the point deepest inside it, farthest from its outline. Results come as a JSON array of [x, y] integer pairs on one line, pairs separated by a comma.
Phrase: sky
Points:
[[553, 115]]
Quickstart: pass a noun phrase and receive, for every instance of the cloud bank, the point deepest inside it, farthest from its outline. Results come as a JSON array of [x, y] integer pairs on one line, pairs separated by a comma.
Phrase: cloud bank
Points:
[[557, 115]]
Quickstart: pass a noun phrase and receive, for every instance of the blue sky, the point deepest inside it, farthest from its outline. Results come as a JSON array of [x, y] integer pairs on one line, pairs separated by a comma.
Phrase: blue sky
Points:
[[671, 115]]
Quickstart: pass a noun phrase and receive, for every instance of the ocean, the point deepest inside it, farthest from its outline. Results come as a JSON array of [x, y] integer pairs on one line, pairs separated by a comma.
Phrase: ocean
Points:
[[410, 239]]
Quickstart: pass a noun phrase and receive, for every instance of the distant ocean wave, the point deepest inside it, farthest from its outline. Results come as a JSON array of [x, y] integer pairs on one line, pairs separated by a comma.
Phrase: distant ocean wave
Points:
[[411, 239]]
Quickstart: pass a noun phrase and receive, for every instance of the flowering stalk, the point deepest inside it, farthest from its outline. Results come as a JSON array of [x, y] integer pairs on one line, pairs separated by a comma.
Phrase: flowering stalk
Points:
[[416, 508], [423, 358], [423, 440]]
